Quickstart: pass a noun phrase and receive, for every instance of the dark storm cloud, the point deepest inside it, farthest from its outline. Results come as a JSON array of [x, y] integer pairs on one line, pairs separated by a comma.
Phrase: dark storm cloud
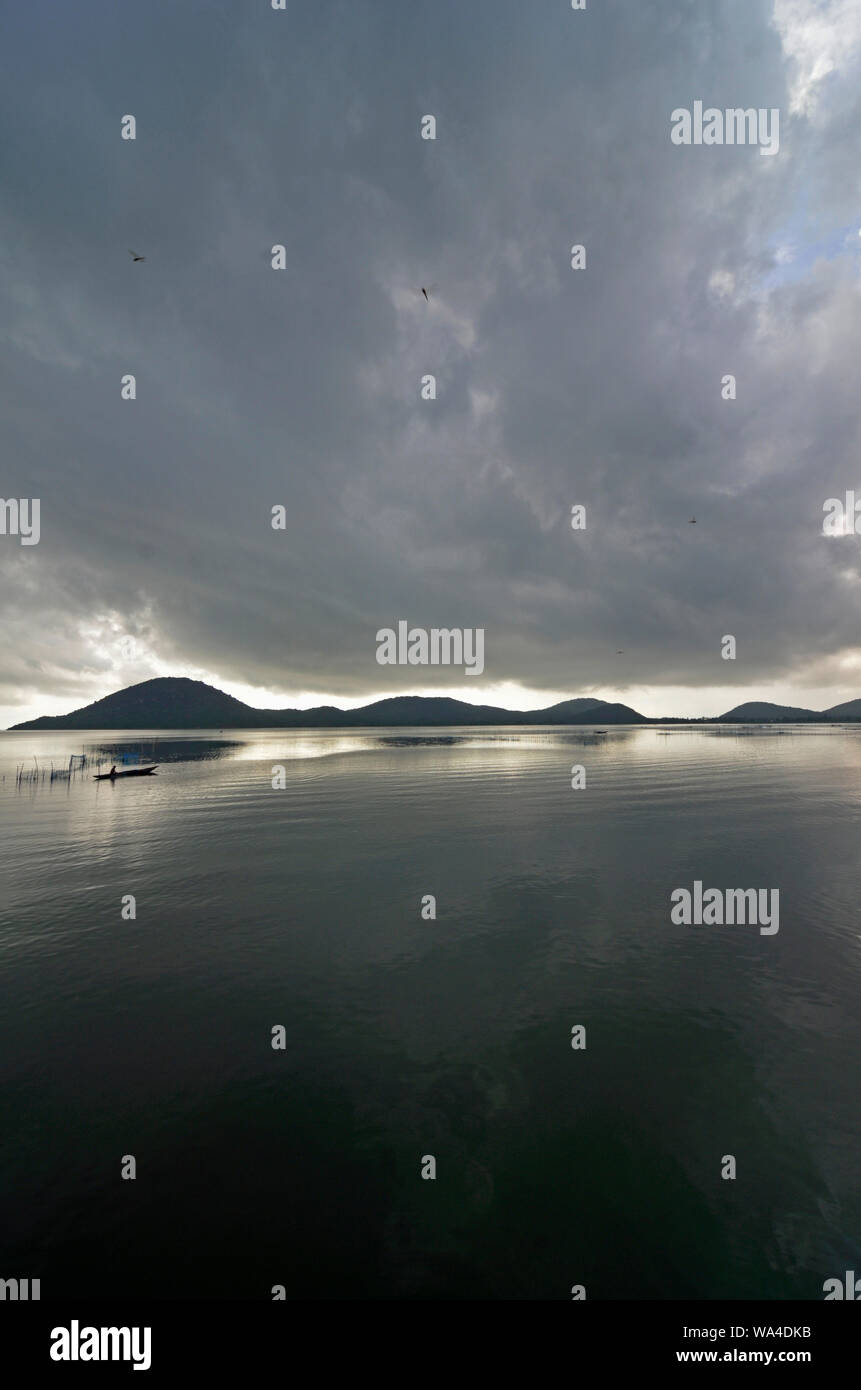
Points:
[[556, 387]]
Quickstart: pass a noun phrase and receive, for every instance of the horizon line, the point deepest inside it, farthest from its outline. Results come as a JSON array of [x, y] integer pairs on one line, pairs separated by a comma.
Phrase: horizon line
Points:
[[805, 714]]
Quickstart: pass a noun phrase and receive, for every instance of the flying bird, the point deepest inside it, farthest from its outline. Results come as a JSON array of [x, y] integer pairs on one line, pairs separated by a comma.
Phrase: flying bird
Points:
[[427, 291], [136, 257], [693, 521], [621, 653]]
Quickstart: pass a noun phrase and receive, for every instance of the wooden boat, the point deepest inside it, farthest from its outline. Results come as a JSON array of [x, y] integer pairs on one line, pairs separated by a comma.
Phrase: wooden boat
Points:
[[127, 772]]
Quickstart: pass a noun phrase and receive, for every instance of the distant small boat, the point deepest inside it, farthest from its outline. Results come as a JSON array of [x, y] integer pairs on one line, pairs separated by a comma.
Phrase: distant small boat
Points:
[[127, 772]]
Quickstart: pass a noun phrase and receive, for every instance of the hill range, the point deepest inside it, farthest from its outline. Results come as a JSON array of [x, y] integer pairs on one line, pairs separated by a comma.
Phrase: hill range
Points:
[[176, 702]]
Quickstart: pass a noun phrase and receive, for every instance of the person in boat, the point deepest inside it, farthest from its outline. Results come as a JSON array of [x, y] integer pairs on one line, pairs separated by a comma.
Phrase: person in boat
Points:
[[113, 771]]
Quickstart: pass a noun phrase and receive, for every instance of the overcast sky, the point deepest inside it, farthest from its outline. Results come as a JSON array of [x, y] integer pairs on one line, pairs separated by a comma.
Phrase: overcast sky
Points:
[[556, 387]]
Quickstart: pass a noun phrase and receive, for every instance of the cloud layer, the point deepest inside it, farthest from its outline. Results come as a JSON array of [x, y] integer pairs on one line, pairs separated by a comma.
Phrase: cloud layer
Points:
[[554, 387]]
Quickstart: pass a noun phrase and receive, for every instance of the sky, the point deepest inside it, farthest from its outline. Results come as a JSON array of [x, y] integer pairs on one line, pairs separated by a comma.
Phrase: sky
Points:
[[599, 387]]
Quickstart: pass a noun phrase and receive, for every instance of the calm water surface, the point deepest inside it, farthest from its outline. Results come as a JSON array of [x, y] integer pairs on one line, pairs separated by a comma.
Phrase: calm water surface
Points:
[[404, 1037]]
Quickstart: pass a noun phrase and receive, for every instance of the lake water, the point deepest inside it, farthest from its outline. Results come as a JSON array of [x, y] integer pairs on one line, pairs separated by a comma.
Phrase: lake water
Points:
[[407, 1037]]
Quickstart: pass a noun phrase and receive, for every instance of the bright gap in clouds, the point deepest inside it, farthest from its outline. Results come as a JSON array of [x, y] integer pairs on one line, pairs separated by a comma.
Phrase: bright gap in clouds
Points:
[[819, 37]]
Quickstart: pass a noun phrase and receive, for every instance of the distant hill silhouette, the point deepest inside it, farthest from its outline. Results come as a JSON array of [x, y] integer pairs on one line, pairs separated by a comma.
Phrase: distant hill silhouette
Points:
[[175, 702], [851, 710], [169, 702], [759, 711]]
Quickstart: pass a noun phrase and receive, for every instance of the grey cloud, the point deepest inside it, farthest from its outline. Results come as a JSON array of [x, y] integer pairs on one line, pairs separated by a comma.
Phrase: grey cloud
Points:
[[302, 388]]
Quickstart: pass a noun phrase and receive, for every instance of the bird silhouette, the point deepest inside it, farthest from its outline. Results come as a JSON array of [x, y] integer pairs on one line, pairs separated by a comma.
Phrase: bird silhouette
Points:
[[693, 521], [621, 653], [136, 257]]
